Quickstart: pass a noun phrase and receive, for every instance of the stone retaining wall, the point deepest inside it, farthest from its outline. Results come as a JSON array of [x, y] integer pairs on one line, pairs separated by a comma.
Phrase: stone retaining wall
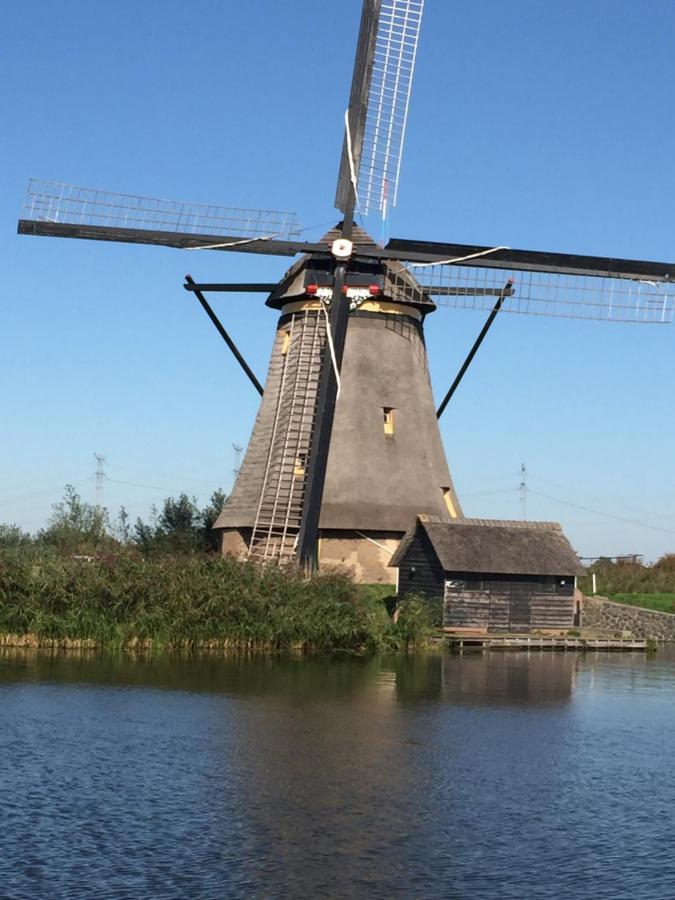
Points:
[[601, 613]]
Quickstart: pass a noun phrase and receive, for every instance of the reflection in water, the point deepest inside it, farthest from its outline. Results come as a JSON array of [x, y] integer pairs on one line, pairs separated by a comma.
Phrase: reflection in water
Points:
[[510, 679], [498, 775]]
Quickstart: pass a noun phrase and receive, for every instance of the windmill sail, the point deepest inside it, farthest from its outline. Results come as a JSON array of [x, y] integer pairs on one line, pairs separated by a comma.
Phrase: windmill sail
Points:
[[66, 210], [378, 105], [546, 284], [606, 299]]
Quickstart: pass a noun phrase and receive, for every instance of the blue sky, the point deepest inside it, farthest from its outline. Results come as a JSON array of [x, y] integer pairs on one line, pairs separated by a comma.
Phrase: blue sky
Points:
[[546, 126]]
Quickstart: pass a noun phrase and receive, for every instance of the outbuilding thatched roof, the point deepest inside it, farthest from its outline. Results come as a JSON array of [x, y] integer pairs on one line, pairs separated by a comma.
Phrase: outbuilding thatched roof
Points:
[[495, 547]]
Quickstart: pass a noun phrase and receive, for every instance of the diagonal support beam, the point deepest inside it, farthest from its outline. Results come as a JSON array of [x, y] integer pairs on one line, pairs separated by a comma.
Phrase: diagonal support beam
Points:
[[190, 285], [506, 291], [259, 287]]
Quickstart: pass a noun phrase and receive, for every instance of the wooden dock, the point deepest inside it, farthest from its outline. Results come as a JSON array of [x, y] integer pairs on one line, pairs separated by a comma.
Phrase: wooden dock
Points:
[[459, 643]]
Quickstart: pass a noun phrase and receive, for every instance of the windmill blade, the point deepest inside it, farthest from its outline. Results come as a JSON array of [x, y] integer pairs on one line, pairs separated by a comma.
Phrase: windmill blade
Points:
[[603, 296], [548, 284], [378, 104], [55, 209], [534, 260], [358, 103]]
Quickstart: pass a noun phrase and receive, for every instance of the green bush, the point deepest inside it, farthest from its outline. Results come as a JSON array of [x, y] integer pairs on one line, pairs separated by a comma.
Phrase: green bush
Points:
[[417, 619]]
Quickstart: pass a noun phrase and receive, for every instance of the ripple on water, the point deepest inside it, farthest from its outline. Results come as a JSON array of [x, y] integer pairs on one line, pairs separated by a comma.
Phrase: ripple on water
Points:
[[499, 776]]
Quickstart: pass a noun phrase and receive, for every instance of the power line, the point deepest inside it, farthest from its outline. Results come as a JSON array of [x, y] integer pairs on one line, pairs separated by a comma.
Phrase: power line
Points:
[[506, 476], [598, 512], [44, 493], [628, 506], [150, 487], [180, 477], [510, 490]]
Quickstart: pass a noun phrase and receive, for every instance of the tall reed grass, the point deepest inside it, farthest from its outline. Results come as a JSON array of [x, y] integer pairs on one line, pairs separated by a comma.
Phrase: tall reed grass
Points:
[[196, 600]]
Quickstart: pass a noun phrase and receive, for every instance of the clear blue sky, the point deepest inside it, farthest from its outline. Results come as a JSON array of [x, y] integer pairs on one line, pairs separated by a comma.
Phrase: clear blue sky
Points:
[[538, 125]]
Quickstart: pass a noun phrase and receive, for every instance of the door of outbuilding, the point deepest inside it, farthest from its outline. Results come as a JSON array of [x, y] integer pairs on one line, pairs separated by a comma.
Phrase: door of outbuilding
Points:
[[519, 609]]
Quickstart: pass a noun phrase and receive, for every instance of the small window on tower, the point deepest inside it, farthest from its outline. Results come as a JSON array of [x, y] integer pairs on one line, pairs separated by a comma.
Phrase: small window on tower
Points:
[[285, 343], [300, 461], [447, 496], [388, 412]]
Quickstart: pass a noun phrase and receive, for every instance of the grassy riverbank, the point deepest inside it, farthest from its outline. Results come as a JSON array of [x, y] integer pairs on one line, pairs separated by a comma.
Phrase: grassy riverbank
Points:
[[195, 601], [663, 602], [631, 582]]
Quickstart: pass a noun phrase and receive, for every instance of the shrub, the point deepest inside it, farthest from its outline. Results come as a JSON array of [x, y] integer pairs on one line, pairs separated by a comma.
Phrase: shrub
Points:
[[416, 620], [626, 577]]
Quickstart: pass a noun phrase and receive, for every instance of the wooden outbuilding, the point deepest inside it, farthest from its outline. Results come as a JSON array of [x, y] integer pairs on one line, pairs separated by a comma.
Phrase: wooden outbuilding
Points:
[[492, 575]]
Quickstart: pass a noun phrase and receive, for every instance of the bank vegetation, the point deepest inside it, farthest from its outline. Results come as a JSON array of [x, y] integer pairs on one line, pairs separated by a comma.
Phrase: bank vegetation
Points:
[[163, 585], [631, 581]]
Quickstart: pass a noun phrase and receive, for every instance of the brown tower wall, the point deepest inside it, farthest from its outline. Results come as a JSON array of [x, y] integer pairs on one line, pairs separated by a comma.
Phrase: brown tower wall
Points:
[[378, 478], [378, 481], [386, 463], [242, 504]]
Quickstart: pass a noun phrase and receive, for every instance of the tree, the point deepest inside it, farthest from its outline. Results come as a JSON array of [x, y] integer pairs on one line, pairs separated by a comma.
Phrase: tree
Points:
[[123, 527], [211, 538], [180, 526], [13, 536], [75, 526]]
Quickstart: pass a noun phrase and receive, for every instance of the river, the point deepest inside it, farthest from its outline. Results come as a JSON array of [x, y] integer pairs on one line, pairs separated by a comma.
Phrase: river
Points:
[[483, 776]]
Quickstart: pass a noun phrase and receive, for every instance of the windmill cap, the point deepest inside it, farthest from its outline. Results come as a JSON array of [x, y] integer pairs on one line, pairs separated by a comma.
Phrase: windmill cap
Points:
[[395, 282]]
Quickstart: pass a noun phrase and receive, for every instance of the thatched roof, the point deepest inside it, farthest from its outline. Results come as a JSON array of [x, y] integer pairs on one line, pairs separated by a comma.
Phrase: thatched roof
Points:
[[495, 547]]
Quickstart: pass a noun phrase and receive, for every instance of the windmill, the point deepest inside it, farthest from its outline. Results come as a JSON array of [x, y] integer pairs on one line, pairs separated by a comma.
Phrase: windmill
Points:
[[346, 449]]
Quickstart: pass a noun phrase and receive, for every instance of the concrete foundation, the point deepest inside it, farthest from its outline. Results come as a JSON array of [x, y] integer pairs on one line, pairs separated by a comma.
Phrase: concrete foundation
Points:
[[365, 556], [235, 542]]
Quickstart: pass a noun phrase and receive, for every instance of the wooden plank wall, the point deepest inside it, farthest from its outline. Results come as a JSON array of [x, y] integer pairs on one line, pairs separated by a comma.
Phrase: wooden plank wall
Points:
[[507, 611], [420, 570]]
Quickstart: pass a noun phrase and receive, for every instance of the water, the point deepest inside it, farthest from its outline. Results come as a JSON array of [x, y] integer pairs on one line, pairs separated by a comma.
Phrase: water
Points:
[[497, 776]]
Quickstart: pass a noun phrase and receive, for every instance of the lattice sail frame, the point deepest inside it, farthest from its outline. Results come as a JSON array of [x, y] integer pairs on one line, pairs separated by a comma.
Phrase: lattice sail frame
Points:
[[603, 297], [60, 203], [388, 100]]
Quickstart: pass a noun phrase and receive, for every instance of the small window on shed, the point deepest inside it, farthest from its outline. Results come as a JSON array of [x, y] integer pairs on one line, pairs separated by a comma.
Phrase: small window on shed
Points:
[[473, 581], [388, 413], [285, 343], [447, 496]]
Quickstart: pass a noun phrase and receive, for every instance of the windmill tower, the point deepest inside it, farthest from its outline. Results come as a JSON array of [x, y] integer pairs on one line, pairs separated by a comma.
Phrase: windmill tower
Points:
[[385, 461], [345, 449]]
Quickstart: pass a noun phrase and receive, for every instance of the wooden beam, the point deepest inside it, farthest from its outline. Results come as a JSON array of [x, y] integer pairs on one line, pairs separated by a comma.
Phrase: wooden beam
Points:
[[534, 260]]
